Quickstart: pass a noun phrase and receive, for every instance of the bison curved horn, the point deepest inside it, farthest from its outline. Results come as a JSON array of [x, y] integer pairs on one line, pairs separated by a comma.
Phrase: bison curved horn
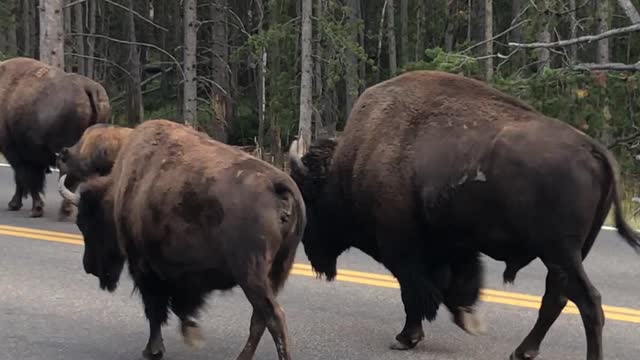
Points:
[[296, 150], [66, 193]]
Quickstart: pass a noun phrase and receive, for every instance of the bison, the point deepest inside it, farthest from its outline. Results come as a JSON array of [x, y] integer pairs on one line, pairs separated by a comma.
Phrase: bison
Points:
[[94, 153], [190, 215], [42, 110], [433, 169]]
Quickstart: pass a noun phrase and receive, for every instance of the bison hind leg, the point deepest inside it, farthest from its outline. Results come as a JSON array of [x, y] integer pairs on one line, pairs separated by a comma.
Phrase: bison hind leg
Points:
[[267, 313]]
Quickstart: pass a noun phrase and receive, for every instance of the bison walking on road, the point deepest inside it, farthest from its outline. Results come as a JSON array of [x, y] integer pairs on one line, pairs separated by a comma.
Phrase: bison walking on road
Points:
[[93, 154], [42, 110], [190, 215], [433, 168]]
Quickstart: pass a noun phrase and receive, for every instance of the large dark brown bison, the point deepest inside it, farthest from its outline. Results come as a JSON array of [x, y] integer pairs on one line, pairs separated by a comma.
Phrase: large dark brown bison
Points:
[[42, 110], [433, 168], [93, 154], [191, 215]]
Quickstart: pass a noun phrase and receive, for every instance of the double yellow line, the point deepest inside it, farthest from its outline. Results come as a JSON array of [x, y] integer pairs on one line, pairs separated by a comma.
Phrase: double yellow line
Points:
[[356, 277]]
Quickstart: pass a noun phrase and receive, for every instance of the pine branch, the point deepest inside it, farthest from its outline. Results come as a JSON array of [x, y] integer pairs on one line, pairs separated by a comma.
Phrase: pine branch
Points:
[[582, 39]]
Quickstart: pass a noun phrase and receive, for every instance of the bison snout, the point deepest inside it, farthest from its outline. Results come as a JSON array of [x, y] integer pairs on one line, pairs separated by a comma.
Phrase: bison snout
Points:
[[64, 155]]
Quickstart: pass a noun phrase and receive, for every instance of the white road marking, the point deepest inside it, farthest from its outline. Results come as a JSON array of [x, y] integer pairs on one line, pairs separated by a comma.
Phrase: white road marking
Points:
[[609, 228]]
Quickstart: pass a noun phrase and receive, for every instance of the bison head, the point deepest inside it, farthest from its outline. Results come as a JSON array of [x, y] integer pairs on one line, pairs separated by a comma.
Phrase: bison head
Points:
[[311, 174], [102, 256], [94, 153]]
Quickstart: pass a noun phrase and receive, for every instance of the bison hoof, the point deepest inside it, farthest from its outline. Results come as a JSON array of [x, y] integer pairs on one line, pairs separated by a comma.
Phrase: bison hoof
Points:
[[470, 321], [403, 342], [153, 353], [399, 345], [192, 335], [527, 355], [37, 212], [15, 205]]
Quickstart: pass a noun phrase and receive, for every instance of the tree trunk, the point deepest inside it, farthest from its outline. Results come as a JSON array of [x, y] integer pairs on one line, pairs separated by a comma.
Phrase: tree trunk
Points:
[[404, 32], [604, 17], [221, 104], [448, 36], [262, 84], [630, 10], [306, 108], [391, 34], [516, 34], [69, 60], [190, 106], [421, 20], [26, 18], [351, 77], [573, 49], [52, 33], [135, 107], [79, 28], [488, 35], [91, 41], [318, 88], [544, 53]]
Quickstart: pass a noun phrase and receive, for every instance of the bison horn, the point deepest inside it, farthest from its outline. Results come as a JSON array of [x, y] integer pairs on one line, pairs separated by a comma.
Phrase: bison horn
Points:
[[296, 150], [67, 194]]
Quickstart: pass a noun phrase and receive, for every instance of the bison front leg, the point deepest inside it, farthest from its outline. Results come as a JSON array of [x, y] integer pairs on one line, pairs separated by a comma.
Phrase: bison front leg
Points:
[[412, 332], [463, 292], [21, 180], [156, 309]]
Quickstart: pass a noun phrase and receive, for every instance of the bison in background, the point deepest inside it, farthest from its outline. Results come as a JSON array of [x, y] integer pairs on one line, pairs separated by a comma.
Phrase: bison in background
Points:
[[433, 168], [93, 154], [190, 215], [42, 110]]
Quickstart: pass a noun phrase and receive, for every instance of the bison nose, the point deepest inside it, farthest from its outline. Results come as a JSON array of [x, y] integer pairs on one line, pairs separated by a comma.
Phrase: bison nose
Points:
[[64, 155]]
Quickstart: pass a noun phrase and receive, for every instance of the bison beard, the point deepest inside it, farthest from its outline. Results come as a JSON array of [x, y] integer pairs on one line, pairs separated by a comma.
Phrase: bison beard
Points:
[[191, 215], [42, 110], [434, 168]]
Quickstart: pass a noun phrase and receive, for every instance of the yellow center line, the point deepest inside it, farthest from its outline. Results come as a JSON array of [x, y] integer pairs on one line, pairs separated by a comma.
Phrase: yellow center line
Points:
[[358, 277]]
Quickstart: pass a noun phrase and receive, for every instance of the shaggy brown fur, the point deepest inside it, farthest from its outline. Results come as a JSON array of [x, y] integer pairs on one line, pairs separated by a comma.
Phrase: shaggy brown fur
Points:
[[433, 168], [190, 215], [93, 154], [42, 110]]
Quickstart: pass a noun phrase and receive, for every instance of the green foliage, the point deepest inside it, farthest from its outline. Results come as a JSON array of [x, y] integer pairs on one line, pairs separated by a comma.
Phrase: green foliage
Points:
[[438, 59]]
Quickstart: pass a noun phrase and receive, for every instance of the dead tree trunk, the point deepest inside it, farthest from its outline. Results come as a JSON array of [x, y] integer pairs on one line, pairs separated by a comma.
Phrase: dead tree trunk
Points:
[[306, 108], [603, 16], [52, 32], [351, 78], [220, 101], [91, 41], [190, 105], [404, 32], [391, 35], [488, 35], [135, 107], [79, 29]]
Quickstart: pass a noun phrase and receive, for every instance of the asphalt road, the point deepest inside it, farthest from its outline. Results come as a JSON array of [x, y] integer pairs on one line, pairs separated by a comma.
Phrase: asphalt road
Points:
[[50, 309]]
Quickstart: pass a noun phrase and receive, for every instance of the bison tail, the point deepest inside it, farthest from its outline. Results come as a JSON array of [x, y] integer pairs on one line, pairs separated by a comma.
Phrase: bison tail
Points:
[[628, 234], [99, 103]]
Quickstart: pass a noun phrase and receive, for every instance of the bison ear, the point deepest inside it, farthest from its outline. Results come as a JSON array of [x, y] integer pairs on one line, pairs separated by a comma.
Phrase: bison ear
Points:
[[296, 151]]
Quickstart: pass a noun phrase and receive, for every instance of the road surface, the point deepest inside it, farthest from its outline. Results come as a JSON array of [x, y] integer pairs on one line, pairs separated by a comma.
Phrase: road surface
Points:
[[50, 309]]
